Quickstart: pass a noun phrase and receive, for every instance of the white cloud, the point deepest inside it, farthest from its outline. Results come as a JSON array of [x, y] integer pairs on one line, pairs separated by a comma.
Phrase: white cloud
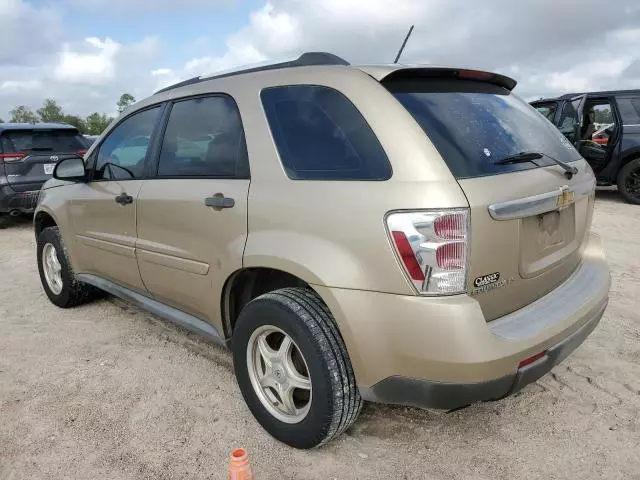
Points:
[[13, 86], [550, 47], [27, 32], [160, 72], [94, 65], [532, 41], [147, 5]]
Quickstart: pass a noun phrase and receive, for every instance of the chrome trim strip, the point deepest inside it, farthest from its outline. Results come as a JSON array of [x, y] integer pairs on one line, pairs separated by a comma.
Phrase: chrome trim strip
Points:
[[586, 283], [194, 324], [541, 203]]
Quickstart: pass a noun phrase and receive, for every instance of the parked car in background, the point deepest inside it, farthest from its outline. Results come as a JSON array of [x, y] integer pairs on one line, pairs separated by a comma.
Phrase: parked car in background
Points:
[[397, 234], [91, 139], [612, 152], [28, 154]]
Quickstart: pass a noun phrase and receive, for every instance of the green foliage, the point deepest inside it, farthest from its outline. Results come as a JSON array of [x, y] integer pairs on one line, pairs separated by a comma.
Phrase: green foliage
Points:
[[603, 115], [50, 111], [96, 123], [23, 114], [76, 121], [125, 101]]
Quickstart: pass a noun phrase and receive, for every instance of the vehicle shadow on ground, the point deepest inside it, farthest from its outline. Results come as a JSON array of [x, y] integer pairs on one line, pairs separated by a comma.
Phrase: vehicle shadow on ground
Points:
[[610, 195]]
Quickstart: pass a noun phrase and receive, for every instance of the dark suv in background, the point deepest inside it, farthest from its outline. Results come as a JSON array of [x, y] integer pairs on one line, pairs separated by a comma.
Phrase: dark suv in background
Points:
[[28, 155], [605, 128]]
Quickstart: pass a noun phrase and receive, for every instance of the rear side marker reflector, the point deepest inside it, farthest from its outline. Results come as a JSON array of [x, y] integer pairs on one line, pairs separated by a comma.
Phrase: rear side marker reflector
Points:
[[408, 257], [531, 359]]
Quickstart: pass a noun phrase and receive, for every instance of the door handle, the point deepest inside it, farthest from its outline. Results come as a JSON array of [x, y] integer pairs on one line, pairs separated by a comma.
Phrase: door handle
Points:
[[219, 201], [124, 199]]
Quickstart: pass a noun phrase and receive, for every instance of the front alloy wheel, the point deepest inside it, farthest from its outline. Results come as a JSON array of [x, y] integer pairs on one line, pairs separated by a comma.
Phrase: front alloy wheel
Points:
[[52, 269]]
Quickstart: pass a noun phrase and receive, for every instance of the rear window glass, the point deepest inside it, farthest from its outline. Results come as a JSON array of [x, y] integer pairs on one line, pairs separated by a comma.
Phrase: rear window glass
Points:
[[475, 124], [320, 135], [629, 110], [42, 140]]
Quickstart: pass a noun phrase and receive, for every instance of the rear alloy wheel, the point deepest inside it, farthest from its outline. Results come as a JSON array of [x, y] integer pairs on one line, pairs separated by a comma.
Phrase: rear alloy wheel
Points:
[[279, 374], [57, 277], [293, 369], [629, 181]]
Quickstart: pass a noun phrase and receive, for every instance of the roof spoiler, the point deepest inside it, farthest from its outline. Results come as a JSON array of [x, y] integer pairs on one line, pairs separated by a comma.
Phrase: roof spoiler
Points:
[[449, 72]]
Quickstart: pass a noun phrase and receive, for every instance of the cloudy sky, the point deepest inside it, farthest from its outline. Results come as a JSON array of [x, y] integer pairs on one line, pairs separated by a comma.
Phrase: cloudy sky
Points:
[[85, 53]]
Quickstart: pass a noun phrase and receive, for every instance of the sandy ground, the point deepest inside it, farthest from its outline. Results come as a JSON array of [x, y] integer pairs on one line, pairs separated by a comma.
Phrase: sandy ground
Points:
[[108, 391]]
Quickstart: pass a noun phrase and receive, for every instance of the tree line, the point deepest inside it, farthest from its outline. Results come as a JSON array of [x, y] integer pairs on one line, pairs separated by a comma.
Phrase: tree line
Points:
[[51, 112]]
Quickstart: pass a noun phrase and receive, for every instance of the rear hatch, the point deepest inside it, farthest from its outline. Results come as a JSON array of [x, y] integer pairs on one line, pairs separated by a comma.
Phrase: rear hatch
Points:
[[529, 216], [29, 155]]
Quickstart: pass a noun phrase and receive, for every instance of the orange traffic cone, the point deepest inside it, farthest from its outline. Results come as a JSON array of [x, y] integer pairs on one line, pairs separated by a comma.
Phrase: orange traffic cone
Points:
[[239, 468]]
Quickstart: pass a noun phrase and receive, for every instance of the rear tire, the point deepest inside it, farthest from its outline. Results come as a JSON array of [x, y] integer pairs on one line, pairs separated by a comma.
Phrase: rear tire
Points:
[[5, 220], [57, 277], [629, 181], [333, 402]]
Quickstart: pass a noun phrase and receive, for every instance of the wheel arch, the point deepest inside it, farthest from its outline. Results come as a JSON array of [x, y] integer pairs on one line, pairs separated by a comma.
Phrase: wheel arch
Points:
[[245, 284], [43, 219]]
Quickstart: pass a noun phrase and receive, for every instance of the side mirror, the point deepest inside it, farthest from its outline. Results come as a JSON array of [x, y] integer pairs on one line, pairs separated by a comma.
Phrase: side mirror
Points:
[[70, 169]]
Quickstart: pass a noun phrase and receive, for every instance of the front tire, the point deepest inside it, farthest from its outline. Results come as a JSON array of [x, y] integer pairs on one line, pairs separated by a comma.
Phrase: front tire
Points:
[[629, 181], [293, 369], [57, 277]]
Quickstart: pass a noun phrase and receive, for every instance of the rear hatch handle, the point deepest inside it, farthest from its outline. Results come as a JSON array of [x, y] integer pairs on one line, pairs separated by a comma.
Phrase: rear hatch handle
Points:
[[542, 203]]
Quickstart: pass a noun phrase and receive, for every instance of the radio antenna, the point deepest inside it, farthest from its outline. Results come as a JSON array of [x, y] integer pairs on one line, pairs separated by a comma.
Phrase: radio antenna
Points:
[[403, 45]]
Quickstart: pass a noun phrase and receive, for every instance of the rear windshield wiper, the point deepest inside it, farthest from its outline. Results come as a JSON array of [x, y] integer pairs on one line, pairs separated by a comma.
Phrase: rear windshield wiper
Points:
[[521, 157], [41, 149]]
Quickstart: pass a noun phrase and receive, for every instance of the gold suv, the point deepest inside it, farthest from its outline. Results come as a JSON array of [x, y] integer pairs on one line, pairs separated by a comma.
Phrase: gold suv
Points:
[[412, 235]]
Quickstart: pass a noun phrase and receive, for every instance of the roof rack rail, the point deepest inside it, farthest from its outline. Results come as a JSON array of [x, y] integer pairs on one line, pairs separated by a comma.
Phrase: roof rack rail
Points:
[[305, 60]]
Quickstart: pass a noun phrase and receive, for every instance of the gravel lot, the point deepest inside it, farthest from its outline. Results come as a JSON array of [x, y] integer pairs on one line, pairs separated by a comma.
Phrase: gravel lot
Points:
[[108, 391]]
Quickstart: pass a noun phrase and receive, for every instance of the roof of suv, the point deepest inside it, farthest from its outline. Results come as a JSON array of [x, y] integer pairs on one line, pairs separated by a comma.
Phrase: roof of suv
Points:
[[329, 60], [36, 126]]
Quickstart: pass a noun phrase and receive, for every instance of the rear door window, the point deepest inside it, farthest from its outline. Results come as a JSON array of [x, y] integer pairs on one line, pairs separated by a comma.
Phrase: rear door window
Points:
[[475, 124], [320, 135], [204, 138], [47, 141]]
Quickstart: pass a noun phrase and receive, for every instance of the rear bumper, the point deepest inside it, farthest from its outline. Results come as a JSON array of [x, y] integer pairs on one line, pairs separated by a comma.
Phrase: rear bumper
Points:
[[428, 394], [442, 353], [11, 200]]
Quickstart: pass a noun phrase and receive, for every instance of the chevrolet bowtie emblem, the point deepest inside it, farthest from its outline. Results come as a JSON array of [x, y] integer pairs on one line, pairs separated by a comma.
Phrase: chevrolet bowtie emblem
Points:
[[565, 198]]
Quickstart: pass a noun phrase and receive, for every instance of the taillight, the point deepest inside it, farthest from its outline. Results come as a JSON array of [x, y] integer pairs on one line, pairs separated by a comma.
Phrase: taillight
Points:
[[11, 157], [81, 152], [433, 248]]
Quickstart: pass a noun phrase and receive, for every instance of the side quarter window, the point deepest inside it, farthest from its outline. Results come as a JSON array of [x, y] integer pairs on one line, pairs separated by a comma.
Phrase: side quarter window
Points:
[[204, 138], [321, 135], [123, 153], [629, 109]]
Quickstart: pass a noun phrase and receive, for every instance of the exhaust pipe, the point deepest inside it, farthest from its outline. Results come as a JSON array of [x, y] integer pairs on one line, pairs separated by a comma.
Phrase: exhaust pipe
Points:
[[15, 213]]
